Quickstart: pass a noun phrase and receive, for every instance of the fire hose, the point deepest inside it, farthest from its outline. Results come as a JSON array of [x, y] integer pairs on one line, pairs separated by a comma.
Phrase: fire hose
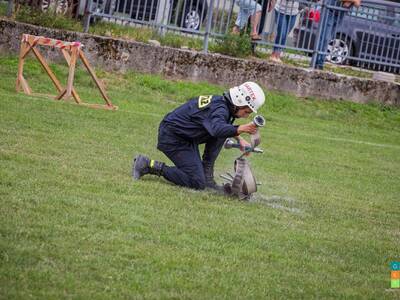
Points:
[[243, 183]]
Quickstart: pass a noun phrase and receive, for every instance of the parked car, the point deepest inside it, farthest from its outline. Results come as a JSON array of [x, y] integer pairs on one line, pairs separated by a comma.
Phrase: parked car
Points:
[[369, 36], [189, 14], [60, 6]]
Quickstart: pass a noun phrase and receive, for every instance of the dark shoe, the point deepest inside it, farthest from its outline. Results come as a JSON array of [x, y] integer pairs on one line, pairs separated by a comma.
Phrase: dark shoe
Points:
[[209, 175], [141, 166], [216, 188]]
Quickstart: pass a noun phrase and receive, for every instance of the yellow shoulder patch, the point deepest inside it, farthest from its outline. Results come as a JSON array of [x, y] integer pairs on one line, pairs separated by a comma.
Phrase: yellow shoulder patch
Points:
[[204, 101]]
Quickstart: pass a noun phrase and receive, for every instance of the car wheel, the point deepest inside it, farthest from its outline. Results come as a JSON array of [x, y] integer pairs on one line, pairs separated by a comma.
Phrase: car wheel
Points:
[[192, 18], [59, 6], [338, 51]]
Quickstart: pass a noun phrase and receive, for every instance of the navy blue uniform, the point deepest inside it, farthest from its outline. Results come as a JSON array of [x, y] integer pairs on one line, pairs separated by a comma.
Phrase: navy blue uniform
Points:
[[203, 120]]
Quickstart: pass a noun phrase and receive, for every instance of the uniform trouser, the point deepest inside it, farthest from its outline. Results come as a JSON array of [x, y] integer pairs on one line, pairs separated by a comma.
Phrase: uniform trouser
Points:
[[188, 170]]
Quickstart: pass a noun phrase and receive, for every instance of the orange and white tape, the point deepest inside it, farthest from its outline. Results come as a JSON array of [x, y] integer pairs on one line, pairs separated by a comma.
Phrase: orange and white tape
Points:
[[51, 42]]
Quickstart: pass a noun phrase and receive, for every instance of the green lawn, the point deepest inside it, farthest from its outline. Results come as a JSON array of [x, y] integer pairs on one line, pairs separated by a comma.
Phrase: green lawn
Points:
[[73, 224]]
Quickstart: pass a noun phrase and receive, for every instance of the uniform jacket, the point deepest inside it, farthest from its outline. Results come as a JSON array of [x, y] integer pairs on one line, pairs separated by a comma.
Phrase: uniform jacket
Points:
[[202, 119]]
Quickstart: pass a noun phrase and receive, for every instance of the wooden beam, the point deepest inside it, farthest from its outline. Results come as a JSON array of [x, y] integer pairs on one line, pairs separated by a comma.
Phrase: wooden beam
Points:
[[25, 86], [61, 94], [100, 106], [28, 49], [67, 57], [20, 65], [47, 69], [92, 73], [71, 71]]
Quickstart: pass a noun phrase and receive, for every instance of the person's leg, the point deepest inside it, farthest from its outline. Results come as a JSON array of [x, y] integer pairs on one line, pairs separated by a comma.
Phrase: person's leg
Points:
[[255, 21], [242, 17], [255, 10], [281, 30], [291, 23], [249, 8], [286, 24], [281, 27], [188, 170], [211, 151]]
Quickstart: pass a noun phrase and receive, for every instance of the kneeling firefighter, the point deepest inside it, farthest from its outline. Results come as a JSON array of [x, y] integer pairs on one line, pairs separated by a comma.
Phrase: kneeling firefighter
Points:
[[203, 120]]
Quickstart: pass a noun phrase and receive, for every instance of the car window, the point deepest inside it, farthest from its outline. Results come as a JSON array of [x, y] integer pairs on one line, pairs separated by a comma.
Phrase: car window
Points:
[[369, 13], [383, 14]]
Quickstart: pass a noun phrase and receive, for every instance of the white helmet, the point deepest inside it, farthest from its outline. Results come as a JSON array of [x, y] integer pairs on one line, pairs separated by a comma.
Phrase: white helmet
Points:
[[248, 94]]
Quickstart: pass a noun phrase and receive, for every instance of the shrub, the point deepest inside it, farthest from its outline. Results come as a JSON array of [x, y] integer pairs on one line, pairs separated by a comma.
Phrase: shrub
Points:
[[233, 45], [140, 34], [173, 40], [29, 15]]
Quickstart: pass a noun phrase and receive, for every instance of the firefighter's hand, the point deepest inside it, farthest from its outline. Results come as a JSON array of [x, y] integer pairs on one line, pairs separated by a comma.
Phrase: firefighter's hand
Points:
[[245, 146], [250, 128]]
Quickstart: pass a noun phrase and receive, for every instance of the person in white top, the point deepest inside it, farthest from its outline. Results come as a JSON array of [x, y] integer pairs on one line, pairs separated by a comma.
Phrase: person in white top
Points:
[[285, 19]]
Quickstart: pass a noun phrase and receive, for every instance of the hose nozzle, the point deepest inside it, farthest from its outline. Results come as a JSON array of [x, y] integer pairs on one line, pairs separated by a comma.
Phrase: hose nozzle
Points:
[[259, 121]]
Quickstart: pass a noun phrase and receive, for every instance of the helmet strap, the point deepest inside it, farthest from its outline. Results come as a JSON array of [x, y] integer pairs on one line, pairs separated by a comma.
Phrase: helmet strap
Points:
[[232, 107]]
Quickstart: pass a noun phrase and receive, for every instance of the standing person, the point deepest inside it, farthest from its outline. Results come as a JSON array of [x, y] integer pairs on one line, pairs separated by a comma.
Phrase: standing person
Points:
[[202, 120], [248, 8], [285, 19], [332, 19]]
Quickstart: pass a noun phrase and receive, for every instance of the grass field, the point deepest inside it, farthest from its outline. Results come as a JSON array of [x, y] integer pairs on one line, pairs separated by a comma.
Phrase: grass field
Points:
[[73, 224]]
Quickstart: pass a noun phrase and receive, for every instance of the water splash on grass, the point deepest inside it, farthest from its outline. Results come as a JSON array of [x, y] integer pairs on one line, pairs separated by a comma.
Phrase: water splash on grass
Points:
[[285, 203]]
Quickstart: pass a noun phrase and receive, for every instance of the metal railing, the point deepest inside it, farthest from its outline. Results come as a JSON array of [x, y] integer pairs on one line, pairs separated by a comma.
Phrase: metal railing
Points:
[[368, 36], [201, 18]]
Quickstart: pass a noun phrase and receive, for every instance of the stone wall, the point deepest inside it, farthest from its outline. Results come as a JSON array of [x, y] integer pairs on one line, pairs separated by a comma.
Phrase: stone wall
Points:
[[120, 55]]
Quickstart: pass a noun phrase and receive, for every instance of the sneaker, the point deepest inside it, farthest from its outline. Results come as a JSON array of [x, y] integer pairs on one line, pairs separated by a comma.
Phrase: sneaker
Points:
[[141, 166]]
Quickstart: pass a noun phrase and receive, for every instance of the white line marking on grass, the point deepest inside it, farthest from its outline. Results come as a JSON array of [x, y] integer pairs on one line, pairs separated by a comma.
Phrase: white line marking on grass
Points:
[[347, 140], [362, 142]]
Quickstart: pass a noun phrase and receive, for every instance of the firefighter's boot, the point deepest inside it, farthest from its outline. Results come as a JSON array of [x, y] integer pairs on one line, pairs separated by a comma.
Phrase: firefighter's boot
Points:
[[143, 165], [209, 176]]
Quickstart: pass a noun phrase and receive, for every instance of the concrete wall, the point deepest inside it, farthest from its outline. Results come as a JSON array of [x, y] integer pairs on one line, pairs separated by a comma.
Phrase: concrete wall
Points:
[[121, 55]]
